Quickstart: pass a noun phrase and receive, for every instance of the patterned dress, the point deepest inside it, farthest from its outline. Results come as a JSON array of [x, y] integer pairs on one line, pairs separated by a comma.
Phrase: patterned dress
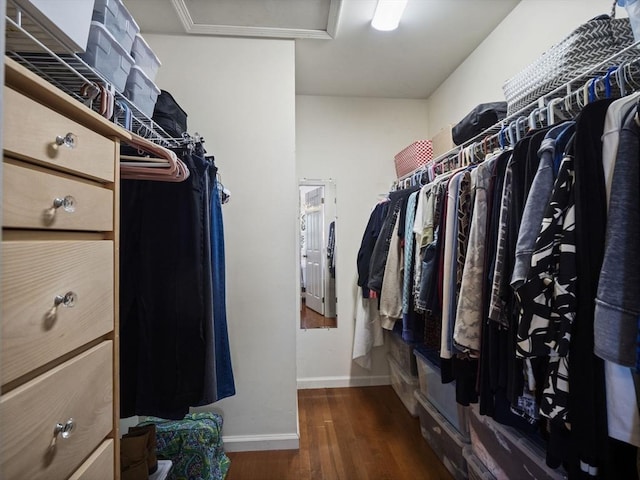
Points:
[[548, 296]]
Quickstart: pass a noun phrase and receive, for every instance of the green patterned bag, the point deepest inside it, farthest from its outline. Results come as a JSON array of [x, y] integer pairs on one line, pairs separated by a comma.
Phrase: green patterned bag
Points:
[[193, 444]]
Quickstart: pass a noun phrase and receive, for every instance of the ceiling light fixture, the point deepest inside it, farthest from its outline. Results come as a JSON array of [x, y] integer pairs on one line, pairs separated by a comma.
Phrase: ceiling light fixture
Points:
[[387, 14]]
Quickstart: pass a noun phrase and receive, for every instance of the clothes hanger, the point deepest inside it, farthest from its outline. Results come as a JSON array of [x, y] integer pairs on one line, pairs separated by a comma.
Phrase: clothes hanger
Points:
[[551, 110], [174, 171]]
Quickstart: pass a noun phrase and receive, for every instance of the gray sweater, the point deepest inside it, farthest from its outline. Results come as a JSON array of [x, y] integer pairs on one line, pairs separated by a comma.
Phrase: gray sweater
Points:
[[618, 298]]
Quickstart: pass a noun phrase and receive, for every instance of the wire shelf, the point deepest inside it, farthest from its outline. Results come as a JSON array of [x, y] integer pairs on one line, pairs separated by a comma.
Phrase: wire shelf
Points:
[[32, 45], [629, 56]]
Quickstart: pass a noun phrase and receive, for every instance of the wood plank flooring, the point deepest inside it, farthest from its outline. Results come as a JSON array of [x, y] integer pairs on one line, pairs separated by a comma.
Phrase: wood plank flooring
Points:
[[312, 319], [358, 433]]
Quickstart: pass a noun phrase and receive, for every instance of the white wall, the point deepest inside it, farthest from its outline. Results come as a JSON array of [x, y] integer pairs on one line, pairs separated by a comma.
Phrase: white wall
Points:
[[530, 29], [353, 141], [240, 95]]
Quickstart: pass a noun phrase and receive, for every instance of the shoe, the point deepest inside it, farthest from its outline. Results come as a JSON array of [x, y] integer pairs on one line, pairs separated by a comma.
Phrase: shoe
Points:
[[133, 456], [152, 459]]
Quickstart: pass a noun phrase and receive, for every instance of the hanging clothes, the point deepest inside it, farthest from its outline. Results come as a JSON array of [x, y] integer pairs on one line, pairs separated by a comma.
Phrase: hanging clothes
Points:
[[169, 344]]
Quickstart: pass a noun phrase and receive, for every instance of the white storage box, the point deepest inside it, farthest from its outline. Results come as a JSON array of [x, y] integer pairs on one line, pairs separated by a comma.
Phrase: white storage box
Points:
[[446, 443], [67, 21], [442, 395], [141, 91], [107, 56], [115, 16], [475, 468], [404, 386], [505, 452], [145, 58], [401, 351]]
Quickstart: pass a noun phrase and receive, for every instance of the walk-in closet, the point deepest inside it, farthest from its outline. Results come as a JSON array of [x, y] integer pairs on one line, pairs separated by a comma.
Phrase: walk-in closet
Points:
[[303, 240]]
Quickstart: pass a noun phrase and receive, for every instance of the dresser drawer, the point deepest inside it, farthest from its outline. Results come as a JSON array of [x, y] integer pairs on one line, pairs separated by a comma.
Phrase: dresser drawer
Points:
[[78, 391], [34, 332], [92, 155], [99, 466], [29, 196]]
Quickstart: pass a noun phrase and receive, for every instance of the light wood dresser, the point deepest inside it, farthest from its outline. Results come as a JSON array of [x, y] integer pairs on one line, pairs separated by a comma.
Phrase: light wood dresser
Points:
[[59, 273]]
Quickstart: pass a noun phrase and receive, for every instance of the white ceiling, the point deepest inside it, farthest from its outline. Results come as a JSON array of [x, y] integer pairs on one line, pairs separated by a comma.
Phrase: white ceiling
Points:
[[337, 50]]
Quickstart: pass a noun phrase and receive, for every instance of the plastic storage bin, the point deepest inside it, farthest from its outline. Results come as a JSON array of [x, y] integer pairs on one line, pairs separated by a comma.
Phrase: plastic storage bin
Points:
[[505, 452], [475, 469], [404, 386], [145, 58], [441, 395], [446, 443], [141, 91], [117, 19], [107, 56], [401, 351]]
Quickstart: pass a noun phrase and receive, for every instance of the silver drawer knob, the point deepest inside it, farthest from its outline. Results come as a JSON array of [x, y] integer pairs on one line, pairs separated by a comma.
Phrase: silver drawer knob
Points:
[[70, 140], [67, 203], [64, 430], [67, 300]]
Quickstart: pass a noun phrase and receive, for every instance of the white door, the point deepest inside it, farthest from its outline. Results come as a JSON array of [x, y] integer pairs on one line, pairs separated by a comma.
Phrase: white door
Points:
[[314, 215]]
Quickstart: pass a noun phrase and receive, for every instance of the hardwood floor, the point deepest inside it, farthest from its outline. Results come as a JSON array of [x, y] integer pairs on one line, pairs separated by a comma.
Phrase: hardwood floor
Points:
[[312, 319], [358, 433]]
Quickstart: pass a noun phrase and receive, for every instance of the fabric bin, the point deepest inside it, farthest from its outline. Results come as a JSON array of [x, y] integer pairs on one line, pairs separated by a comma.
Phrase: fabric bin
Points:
[[107, 56], [413, 157], [446, 443], [475, 469], [142, 92], [505, 452], [404, 385], [194, 446], [145, 58], [442, 395], [401, 351], [117, 19]]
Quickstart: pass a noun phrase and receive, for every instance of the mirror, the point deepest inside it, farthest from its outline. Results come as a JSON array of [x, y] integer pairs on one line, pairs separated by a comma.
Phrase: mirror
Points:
[[317, 234]]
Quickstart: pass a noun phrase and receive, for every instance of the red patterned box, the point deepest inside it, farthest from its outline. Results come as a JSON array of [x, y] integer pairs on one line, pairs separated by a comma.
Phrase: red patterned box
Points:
[[413, 157]]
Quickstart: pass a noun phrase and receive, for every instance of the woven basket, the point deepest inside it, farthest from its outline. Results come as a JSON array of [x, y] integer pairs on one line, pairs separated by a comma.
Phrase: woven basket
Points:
[[587, 46], [413, 157]]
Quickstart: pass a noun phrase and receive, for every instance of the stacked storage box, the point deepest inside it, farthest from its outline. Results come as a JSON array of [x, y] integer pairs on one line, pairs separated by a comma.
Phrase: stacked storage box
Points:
[[110, 39], [140, 88], [505, 452], [475, 468], [441, 396], [403, 370], [117, 51], [443, 422], [443, 439]]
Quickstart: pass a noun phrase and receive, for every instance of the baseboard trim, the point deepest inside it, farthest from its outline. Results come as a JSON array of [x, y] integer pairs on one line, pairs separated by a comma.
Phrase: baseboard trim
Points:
[[253, 443], [340, 382]]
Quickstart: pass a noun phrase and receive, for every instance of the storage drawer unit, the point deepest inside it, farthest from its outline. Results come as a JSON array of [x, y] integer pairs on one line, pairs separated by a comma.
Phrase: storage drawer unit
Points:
[[36, 276], [401, 351], [59, 286], [475, 468], [443, 439], [404, 385], [77, 395], [35, 199], [85, 152], [441, 395], [99, 466], [505, 452]]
